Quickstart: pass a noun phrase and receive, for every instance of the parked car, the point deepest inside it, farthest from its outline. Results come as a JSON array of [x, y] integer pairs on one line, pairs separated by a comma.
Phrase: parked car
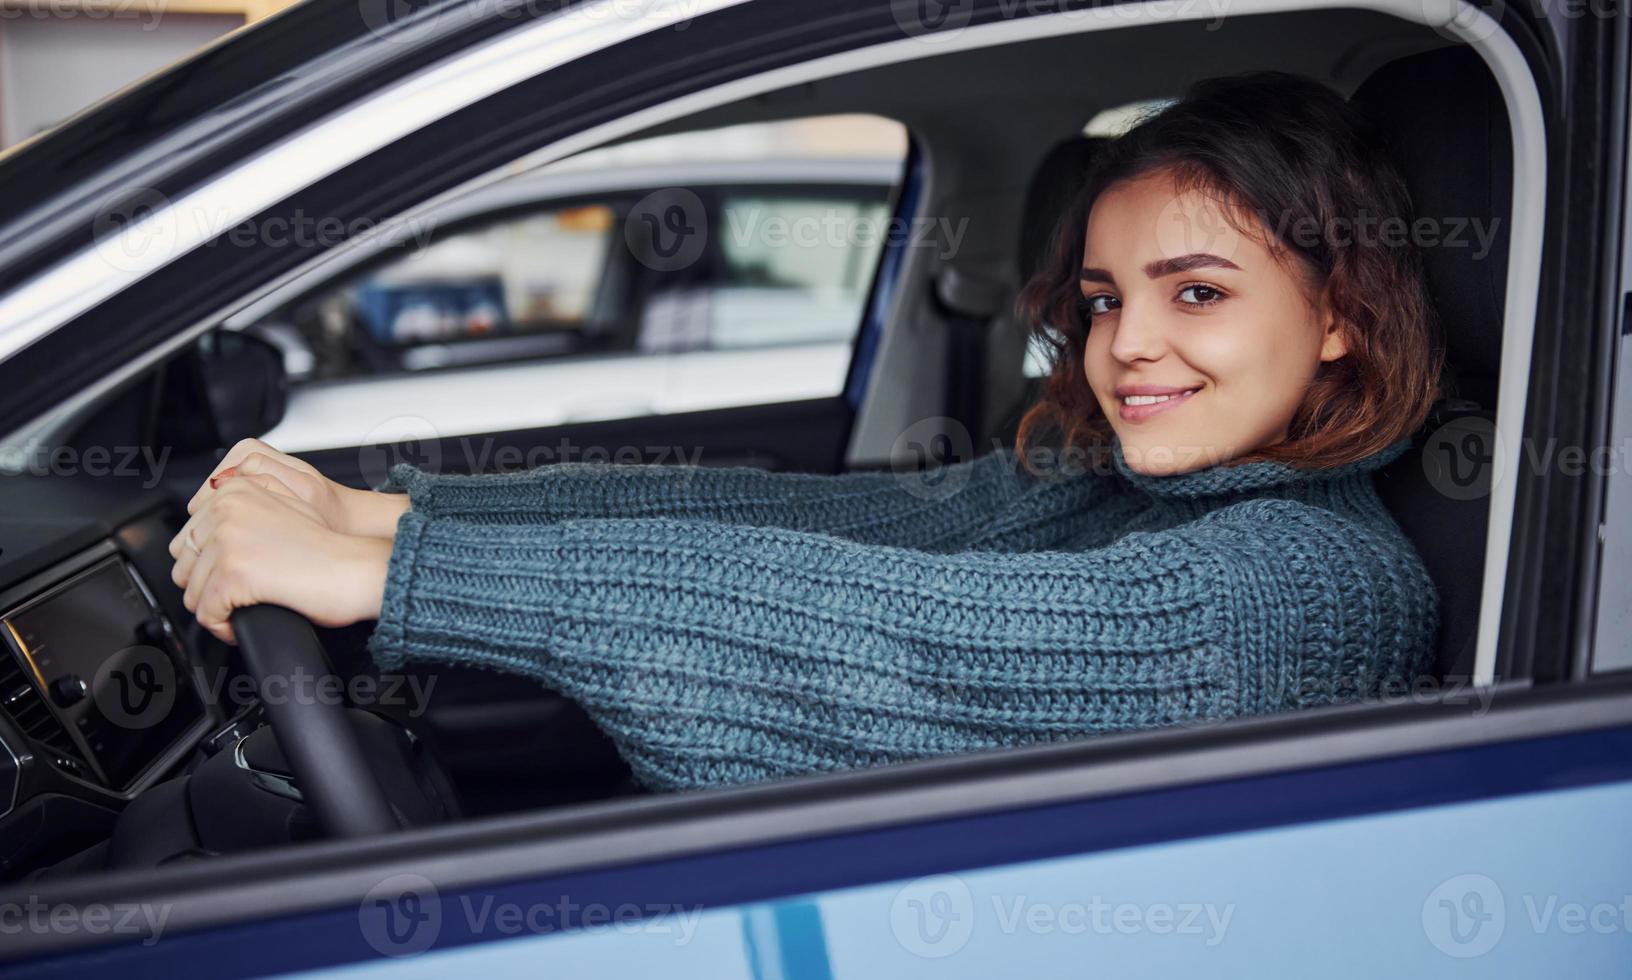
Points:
[[151, 826], [521, 279]]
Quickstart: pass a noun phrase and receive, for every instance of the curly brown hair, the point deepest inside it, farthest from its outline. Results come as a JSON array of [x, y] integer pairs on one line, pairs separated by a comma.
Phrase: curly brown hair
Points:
[[1292, 154]]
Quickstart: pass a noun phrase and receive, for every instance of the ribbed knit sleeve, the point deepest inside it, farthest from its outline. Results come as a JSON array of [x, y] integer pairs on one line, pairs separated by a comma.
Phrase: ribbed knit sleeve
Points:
[[938, 509], [725, 653]]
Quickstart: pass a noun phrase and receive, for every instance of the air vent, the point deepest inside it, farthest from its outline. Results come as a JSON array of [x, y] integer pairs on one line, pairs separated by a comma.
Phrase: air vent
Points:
[[29, 712]]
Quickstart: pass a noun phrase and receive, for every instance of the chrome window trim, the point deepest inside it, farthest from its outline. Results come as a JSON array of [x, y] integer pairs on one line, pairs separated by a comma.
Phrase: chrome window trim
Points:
[[74, 286]]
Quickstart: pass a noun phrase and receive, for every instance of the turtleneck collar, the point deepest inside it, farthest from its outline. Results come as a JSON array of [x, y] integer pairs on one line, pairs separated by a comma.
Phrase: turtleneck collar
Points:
[[1225, 479]]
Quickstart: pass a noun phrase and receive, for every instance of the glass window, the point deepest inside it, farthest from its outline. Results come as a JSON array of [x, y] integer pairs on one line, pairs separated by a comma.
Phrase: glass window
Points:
[[792, 271], [519, 287], [567, 292]]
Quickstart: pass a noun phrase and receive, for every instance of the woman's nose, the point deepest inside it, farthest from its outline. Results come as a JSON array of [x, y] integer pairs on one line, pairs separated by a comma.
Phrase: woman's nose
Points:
[[1138, 336]]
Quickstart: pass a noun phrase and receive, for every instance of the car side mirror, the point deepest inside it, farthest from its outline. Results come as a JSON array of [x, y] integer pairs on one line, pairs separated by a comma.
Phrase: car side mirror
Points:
[[245, 382]]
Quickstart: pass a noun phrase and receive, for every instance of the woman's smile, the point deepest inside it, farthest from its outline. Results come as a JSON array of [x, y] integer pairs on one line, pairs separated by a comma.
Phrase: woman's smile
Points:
[[1141, 402]]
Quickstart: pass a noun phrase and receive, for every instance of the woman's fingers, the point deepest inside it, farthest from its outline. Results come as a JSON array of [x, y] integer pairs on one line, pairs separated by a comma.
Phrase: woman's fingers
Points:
[[259, 458], [256, 542], [181, 572], [297, 481], [202, 567], [183, 541], [217, 600]]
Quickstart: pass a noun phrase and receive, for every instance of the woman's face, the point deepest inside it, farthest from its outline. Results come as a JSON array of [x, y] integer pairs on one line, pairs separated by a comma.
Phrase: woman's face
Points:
[[1180, 303]]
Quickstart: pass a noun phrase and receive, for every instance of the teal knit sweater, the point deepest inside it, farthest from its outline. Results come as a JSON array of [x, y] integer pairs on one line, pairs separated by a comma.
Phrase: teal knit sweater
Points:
[[728, 625]]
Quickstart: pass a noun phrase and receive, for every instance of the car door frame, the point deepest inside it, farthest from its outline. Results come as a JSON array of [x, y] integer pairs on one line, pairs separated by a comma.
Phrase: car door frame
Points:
[[213, 902]]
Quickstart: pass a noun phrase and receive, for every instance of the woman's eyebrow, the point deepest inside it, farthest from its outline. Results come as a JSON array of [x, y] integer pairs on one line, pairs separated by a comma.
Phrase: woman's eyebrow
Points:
[[1165, 267], [1187, 263]]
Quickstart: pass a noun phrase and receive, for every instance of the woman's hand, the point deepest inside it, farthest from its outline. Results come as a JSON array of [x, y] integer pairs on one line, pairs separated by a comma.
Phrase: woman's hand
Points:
[[357, 512], [250, 542]]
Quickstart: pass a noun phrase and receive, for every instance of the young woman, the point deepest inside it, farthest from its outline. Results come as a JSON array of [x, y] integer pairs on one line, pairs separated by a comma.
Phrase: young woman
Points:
[[1242, 361]]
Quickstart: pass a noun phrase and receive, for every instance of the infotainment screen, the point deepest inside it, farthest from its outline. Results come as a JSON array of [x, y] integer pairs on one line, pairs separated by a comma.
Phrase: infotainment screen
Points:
[[96, 647]]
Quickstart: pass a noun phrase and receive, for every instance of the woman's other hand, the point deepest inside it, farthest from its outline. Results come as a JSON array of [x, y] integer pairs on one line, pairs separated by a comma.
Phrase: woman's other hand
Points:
[[340, 508], [250, 542]]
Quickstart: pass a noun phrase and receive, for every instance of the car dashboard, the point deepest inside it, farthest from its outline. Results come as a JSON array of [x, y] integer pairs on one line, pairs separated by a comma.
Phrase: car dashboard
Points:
[[102, 691]]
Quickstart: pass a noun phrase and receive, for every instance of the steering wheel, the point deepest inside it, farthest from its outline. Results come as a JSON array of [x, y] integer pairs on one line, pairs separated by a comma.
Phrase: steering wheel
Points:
[[324, 755]]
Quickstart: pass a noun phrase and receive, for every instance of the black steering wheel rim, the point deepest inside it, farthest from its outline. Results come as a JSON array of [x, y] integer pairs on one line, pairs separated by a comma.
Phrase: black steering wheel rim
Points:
[[327, 761]]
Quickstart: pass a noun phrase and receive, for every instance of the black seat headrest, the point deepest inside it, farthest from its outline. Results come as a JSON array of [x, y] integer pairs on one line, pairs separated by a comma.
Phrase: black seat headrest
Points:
[[1445, 124], [1057, 178]]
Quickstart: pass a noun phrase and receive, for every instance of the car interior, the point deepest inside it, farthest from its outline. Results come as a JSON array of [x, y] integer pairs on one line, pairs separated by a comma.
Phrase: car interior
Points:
[[1000, 136]]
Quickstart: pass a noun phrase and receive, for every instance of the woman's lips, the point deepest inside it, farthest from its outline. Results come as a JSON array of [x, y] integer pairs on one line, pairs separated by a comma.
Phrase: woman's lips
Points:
[[1139, 413]]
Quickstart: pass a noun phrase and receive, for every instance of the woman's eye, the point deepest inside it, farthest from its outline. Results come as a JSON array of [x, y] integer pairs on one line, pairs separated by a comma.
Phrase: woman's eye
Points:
[[1098, 305], [1199, 295]]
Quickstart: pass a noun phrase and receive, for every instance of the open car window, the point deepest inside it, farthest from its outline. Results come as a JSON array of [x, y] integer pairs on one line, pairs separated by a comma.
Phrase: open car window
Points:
[[607, 286]]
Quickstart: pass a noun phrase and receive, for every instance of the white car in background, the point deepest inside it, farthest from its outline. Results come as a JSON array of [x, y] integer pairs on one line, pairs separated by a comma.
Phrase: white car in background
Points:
[[524, 304]]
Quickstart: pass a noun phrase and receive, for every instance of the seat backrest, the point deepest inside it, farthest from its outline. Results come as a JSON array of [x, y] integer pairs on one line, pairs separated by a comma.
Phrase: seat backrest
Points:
[[1446, 127]]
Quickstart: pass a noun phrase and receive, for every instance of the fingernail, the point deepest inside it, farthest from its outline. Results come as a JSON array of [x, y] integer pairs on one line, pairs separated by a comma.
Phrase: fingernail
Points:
[[229, 471]]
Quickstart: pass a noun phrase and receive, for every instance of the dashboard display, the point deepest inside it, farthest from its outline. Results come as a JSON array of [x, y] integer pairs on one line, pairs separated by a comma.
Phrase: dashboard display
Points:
[[99, 653]]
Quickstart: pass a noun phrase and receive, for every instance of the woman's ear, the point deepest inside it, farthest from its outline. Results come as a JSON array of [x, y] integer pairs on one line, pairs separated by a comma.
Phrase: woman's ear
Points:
[[1333, 344]]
